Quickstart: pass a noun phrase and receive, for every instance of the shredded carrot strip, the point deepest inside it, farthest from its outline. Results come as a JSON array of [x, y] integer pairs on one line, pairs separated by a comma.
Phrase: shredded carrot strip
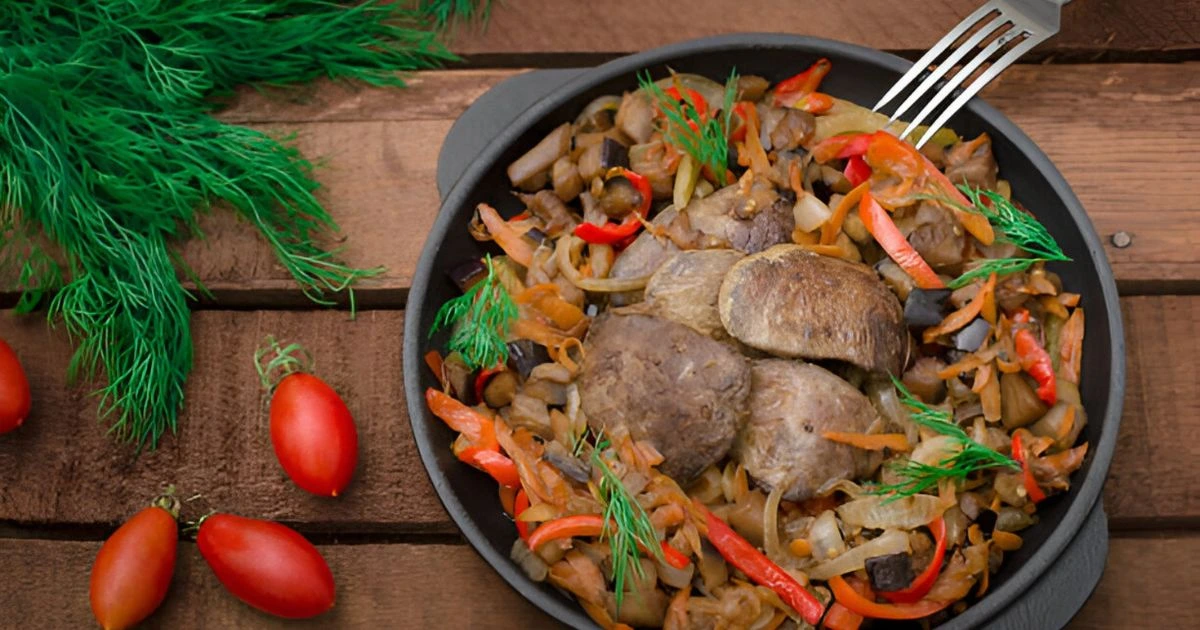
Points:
[[513, 244], [989, 392], [830, 230], [964, 315], [869, 441], [508, 498], [833, 251], [759, 162], [562, 356], [545, 299], [1006, 541], [1053, 306], [794, 179], [433, 359], [1071, 346], [970, 362]]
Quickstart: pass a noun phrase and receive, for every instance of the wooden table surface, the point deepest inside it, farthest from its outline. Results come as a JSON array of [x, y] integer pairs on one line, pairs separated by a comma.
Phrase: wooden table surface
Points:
[[1114, 100]]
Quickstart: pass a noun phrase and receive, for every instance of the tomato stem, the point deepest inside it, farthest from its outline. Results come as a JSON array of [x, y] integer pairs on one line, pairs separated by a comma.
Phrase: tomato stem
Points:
[[284, 360], [168, 502]]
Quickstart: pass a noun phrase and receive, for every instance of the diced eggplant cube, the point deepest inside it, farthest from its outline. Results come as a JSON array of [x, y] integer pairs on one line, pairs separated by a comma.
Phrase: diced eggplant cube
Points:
[[524, 355], [925, 307], [986, 521], [467, 274], [613, 153], [969, 339], [891, 572]]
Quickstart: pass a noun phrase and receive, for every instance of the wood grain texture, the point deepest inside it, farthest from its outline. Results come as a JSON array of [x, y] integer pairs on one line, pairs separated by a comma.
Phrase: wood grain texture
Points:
[[449, 586], [1128, 164], [61, 468], [551, 26]]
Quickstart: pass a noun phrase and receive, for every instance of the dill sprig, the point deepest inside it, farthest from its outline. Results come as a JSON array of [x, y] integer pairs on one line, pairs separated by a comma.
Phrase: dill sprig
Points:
[[917, 477], [108, 149], [443, 13], [480, 319], [1016, 227], [626, 524], [704, 138]]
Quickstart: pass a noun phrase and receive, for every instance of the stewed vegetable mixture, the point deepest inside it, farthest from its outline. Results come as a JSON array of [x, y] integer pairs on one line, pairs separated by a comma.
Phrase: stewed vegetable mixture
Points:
[[747, 360]]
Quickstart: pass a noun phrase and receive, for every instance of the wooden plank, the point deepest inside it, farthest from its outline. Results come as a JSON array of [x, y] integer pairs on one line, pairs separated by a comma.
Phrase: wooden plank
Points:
[[1090, 119], [1125, 137], [378, 586], [548, 26], [437, 586], [61, 468]]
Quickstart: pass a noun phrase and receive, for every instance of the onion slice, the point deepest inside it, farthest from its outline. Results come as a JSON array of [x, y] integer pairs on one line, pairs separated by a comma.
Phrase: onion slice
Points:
[[562, 255], [878, 512], [892, 541]]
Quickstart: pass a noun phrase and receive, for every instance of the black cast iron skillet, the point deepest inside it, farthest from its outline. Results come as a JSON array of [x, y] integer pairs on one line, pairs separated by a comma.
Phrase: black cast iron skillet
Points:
[[859, 74]]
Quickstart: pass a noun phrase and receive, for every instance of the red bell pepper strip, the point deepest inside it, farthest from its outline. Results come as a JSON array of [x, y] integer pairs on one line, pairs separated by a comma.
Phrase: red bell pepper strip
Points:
[[592, 525], [1035, 360], [792, 89], [520, 504], [740, 113], [880, 225], [857, 171], [482, 379], [841, 618], [1031, 486], [742, 555], [615, 233], [479, 430], [696, 99], [841, 147], [815, 103], [865, 606], [921, 585], [499, 466]]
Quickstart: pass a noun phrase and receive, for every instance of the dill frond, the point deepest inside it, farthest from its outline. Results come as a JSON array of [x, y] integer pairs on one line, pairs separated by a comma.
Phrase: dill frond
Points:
[[626, 525], [108, 149], [704, 138], [917, 477], [443, 13], [480, 319], [1013, 226]]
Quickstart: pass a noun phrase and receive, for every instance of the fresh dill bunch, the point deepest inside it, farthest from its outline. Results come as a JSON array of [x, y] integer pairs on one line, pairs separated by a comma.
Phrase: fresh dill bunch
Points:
[[626, 525], [109, 151], [480, 319], [1016, 227], [917, 477], [703, 137], [442, 13]]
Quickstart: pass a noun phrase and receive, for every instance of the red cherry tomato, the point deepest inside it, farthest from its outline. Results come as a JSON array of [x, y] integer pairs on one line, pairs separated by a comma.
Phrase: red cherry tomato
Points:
[[14, 390], [134, 567], [267, 565], [314, 435]]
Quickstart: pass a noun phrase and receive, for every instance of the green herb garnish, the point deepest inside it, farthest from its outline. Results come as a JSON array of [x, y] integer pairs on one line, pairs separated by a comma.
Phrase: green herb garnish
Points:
[[918, 477], [1015, 226], [109, 150], [480, 319], [703, 137], [626, 525], [441, 13]]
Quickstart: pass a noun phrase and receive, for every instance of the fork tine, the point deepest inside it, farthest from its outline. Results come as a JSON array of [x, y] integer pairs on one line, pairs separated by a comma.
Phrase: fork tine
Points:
[[929, 57], [997, 23], [991, 73], [958, 78]]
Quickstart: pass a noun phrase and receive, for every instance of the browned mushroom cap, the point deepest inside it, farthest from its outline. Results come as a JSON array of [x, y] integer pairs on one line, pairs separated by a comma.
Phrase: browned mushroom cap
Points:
[[663, 382], [791, 404], [791, 303], [685, 288]]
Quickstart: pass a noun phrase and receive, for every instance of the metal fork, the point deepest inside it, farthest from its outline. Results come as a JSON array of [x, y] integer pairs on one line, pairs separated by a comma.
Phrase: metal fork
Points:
[[999, 23]]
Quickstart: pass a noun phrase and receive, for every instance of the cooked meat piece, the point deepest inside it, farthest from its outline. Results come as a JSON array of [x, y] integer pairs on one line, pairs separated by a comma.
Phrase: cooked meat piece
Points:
[[791, 302], [922, 380], [795, 128], [936, 235], [650, 160], [767, 222], [642, 258], [781, 446], [684, 289], [972, 161], [547, 206], [635, 116], [666, 383]]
